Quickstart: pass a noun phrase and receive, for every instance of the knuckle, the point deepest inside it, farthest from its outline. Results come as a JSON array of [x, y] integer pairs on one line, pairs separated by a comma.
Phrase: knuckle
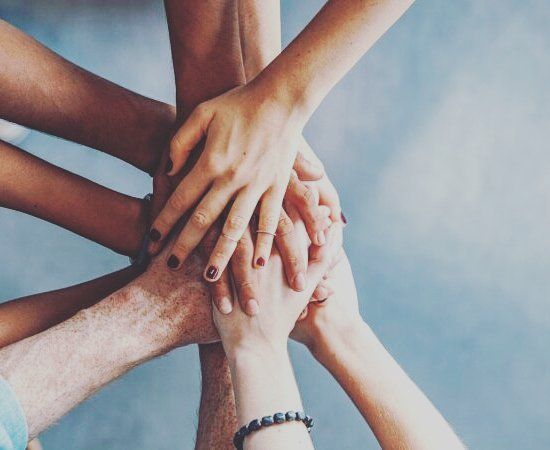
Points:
[[180, 248], [176, 202], [244, 284], [235, 223], [200, 219], [285, 225], [268, 221], [213, 164]]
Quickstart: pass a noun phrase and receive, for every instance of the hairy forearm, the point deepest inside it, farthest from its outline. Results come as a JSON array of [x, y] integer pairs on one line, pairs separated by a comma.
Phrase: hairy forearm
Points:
[[399, 414], [27, 316], [217, 421], [36, 187], [53, 371], [41, 90], [327, 49]]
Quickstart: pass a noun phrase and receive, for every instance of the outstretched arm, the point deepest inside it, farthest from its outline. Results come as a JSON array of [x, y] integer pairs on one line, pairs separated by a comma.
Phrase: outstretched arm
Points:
[[43, 91], [397, 411], [150, 316], [27, 316], [36, 187]]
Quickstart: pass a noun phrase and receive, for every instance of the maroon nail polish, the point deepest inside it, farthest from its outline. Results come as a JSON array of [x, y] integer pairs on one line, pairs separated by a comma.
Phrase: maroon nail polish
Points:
[[173, 262], [343, 218], [154, 234], [212, 272], [321, 301], [169, 166], [260, 261]]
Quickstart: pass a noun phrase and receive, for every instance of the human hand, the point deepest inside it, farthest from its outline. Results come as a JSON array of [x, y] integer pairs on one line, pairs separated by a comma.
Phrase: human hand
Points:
[[180, 312], [243, 158], [323, 321], [270, 327]]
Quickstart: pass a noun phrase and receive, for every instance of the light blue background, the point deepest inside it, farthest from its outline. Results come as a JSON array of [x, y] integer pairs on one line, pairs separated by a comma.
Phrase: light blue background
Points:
[[438, 143]]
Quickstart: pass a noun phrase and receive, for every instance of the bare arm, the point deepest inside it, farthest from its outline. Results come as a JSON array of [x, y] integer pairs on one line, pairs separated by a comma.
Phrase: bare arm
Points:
[[41, 90], [36, 187], [152, 315], [397, 411], [217, 421], [27, 316]]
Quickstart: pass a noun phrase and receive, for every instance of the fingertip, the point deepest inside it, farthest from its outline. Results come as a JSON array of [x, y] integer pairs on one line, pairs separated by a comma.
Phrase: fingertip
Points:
[[299, 283], [224, 305], [252, 307], [211, 273]]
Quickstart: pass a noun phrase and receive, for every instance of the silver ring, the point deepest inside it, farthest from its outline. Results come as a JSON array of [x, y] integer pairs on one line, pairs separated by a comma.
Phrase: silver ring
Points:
[[265, 232], [229, 237]]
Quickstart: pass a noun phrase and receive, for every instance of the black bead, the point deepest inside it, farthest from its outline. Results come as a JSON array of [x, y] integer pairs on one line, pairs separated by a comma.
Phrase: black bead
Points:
[[255, 425], [243, 431], [308, 421], [300, 415], [279, 417], [267, 421], [290, 416]]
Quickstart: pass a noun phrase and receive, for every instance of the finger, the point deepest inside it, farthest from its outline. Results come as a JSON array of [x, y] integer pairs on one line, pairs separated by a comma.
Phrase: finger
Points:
[[184, 197], [303, 314], [303, 197], [329, 196], [233, 229], [306, 169], [221, 294], [293, 258], [270, 211], [321, 258], [200, 221], [188, 136], [244, 275]]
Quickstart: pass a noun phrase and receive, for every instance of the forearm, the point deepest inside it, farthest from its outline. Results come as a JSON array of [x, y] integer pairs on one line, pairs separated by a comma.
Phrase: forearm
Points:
[[31, 315], [206, 50], [260, 34], [217, 421], [303, 74], [264, 384], [53, 371], [33, 186], [43, 91], [397, 411]]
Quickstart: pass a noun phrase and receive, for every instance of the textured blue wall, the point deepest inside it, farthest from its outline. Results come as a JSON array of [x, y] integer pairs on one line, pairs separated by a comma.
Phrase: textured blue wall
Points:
[[438, 142]]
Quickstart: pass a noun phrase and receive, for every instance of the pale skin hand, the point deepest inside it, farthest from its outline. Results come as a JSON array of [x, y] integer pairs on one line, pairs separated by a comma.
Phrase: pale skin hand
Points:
[[397, 411], [262, 375], [154, 314], [252, 132]]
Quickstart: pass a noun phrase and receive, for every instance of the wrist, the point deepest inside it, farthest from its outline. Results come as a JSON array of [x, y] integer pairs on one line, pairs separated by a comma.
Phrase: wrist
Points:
[[331, 339], [255, 353]]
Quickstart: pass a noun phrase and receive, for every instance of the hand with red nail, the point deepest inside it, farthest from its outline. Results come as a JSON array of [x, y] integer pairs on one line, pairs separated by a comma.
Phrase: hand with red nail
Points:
[[277, 316], [251, 143]]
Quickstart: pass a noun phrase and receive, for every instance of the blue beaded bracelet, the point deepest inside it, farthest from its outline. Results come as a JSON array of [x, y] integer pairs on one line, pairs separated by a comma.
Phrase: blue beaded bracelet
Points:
[[267, 421]]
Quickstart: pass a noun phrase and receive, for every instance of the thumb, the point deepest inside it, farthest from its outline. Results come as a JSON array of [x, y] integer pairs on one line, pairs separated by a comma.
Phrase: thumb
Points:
[[308, 170], [188, 136]]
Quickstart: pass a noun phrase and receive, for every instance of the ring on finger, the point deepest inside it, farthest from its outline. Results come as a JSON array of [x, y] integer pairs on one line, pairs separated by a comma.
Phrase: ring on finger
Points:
[[229, 237], [266, 232]]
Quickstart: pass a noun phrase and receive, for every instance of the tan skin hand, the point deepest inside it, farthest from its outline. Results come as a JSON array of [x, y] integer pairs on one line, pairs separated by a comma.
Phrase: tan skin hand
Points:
[[244, 162]]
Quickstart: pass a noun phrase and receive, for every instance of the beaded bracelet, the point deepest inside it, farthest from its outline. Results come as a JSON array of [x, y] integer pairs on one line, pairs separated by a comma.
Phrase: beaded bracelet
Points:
[[267, 421], [142, 258]]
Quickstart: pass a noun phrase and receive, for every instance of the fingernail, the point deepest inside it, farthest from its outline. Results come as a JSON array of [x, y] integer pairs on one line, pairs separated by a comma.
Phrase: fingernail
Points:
[[154, 234], [169, 166], [343, 218], [212, 272], [300, 282], [173, 262], [260, 261], [321, 238], [322, 301], [252, 307], [225, 306]]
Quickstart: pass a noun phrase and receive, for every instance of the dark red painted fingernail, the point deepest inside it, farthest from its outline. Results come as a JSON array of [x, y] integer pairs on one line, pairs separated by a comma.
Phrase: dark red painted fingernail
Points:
[[169, 166], [343, 218], [212, 272], [173, 262], [260, 261], [154, 234], [322, 301]]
